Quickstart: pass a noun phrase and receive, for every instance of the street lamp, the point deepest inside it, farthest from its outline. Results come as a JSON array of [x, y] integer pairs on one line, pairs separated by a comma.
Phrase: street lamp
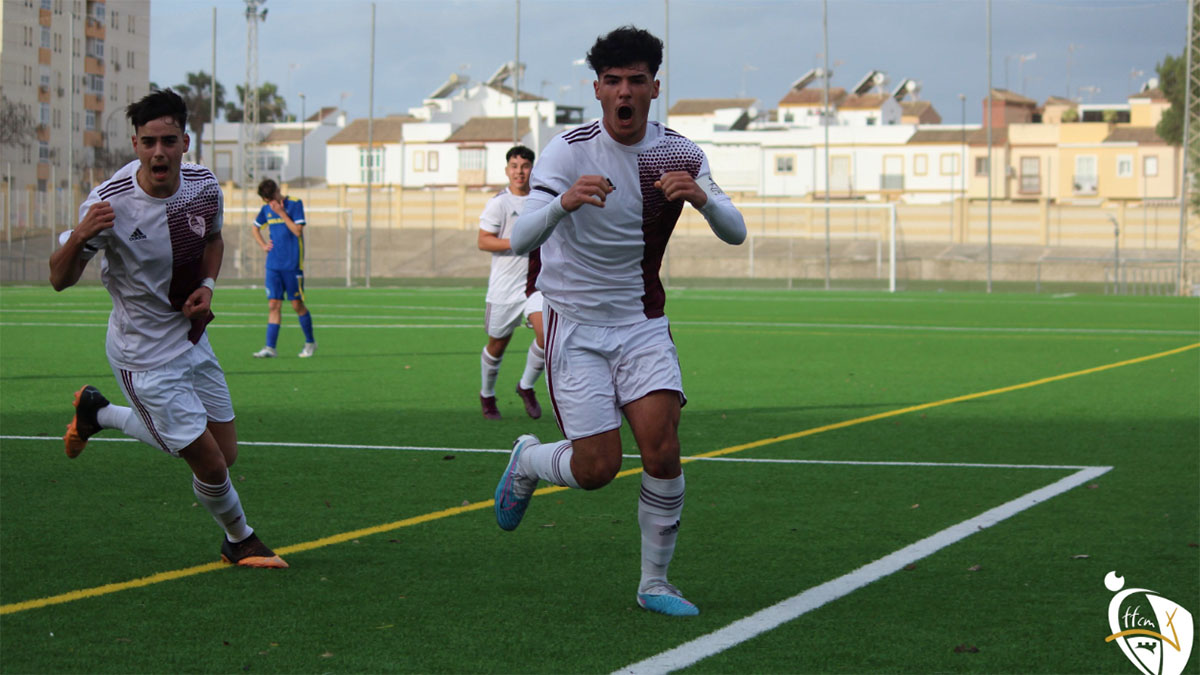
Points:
[[303, 119], [962, 98]]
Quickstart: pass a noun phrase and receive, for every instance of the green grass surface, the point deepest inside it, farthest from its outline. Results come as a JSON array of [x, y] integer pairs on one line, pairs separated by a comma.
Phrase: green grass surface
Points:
[[426, 582]]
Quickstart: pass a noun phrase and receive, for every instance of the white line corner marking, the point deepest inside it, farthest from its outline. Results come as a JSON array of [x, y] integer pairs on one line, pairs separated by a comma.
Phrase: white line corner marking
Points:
[[764, 620]]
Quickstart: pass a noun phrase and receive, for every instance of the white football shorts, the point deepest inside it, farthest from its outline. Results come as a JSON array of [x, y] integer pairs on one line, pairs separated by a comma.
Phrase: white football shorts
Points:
[[593, 371], [176, 401], [533, 305], [500, 319]]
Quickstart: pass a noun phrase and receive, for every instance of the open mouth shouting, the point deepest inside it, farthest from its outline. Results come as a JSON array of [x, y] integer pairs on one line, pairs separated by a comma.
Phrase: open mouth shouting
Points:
[[625, 112]]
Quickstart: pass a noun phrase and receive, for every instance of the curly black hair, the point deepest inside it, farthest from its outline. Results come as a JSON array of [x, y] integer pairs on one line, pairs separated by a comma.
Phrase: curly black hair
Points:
[[626, 46]]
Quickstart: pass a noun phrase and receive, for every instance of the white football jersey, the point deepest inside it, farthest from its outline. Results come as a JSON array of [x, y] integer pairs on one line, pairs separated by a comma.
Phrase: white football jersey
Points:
[[506, 284], [600, 265], [152, 262]]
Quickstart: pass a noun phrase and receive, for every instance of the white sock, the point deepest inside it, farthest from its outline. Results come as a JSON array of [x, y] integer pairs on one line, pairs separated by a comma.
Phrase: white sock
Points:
[[489, 367], [535, 363], [659, 507], [113, 416], [226, 508], [550, 462]]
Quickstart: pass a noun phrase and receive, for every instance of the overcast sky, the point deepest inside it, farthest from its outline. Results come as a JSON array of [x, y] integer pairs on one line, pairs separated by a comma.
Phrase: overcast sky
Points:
[[1102, 49]]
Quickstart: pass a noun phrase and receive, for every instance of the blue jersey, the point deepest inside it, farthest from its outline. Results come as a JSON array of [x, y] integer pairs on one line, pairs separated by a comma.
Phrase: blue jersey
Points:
[[287, 250]]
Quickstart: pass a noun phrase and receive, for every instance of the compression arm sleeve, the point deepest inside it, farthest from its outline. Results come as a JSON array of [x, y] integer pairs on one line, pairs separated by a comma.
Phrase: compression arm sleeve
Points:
[[722, 216], [536, 224]]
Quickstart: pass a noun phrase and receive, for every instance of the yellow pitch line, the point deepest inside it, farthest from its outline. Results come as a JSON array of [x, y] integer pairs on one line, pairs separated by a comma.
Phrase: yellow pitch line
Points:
[[446, 513]]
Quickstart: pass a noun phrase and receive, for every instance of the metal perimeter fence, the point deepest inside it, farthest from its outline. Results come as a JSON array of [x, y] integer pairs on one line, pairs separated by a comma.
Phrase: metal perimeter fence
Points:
[[432, 233]]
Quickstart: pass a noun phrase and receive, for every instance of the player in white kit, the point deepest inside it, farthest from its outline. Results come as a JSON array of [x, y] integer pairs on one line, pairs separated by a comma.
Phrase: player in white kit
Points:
[[605, 198], [507, 297], [158, 222]]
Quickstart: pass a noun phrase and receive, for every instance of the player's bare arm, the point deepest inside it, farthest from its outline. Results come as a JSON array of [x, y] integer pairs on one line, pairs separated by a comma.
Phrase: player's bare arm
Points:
[[67, 263], [277, 206], [262, 243], [200, 301], [677, 185], [589, 189], [488, 241]]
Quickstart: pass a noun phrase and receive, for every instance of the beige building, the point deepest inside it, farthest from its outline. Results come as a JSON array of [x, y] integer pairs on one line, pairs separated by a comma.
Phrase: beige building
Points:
[[73, 65]]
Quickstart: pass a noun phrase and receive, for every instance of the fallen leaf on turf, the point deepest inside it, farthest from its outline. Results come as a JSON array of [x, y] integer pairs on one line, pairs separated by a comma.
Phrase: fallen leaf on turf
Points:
[[126, 639], [1080, 556], [448, 457], [466, 502], [384, 626], [909, 567], [916, 506], [1093, 486], [327, 655], [548, 525], [974, 568], [967, 649], [1192, 544]]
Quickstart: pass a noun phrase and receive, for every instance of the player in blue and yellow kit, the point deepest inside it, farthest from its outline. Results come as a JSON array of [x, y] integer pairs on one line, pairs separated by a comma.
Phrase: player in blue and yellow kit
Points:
[[285, 264]]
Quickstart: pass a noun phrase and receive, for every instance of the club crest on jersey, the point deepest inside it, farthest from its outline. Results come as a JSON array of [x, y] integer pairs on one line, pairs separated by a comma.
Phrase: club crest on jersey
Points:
[[196, 224], [1154, 633]]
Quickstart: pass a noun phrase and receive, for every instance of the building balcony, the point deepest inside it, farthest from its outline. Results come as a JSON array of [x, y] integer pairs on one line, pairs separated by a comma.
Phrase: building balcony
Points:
[[93, 139], [94, 29], [93, 65], [44, 17], [43, 56], [1030, 185], [43, 94], [1085, 185], [891, 181], [93, 102], [43, 171], [43, 132]]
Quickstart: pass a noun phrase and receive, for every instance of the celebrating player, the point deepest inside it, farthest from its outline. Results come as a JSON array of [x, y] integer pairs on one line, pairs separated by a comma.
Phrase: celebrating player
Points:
[[284, 217], [510, 289], [605, 199], [159, 223]]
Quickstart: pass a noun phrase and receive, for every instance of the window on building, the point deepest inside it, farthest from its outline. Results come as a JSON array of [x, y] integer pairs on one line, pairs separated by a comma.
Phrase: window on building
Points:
[[419, 160], [472, 159], [45, 5], [43, 113], [920, 164], [871, 121], [43, 151], [95, 48], [948, 164], [95, 84], [981, 166], [75, 121], [432, 161], [1031, 175], [370, 165], [130, 26], [1124, 166], [89, 120], [96, 10], [789, 117], [1086, 181], [129, 58], [44, 77], [112, 91], [45, 37], [57, 114], [114, 23], [1150, 166], [785, 164]]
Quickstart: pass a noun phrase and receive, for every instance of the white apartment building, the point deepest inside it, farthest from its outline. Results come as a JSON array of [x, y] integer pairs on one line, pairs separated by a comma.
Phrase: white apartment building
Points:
[[74, 65]]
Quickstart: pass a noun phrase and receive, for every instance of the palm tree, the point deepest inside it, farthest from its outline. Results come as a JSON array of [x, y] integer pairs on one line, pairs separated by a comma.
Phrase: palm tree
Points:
[[198, 94], [271, 106]]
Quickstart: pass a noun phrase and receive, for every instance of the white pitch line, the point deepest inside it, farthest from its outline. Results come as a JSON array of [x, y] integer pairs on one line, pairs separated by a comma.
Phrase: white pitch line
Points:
[[324, 326], [776, 615], [505, 451]]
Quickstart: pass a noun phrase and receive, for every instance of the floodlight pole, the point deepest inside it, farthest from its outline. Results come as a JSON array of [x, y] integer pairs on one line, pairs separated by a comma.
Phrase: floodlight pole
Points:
[[825, 120], [370, 149], [1189, 80], [991, 169]]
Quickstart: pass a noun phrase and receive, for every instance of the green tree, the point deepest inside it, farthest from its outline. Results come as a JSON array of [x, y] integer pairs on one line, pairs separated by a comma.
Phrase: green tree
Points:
[[1171, 77], [17, 127], [271, 106], [198, 94]]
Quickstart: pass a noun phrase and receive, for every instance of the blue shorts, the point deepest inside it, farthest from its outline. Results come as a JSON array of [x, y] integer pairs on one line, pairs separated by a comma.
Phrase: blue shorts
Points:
[[283, 284]]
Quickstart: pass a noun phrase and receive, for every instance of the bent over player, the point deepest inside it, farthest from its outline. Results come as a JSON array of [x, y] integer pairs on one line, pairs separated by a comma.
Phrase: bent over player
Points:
[[508, 294], [158, 222], [284, 219], [605, 199]]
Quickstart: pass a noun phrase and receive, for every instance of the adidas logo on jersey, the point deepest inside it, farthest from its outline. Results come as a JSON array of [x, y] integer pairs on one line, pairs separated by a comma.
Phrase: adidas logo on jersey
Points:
[[137, 235]]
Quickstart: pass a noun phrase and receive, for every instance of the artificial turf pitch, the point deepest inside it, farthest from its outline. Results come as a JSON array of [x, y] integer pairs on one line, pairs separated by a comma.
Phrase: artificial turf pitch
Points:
[[888, 419]]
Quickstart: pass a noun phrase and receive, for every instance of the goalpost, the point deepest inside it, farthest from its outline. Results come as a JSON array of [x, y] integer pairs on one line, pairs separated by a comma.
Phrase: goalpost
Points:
[[341, 218], [787, 223]]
